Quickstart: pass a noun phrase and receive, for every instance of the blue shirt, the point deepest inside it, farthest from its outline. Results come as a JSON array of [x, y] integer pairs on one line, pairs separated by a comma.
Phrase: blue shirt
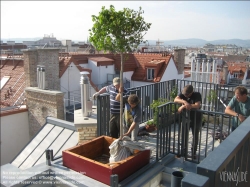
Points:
[[131, 115], [115, 105]]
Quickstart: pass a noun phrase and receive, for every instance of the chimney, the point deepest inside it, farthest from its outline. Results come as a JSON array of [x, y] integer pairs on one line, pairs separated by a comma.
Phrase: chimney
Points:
[[85, 99], [179, 58], [41, 83], [36, 60]]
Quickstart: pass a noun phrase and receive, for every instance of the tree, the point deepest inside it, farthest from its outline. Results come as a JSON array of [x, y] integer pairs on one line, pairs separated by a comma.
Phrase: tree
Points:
[[118, 32]]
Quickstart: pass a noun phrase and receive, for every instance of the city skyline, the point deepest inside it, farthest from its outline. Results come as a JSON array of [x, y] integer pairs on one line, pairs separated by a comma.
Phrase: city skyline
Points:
[[171, 20]]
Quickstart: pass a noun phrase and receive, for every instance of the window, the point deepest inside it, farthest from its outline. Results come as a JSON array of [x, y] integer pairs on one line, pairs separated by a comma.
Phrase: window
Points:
[[235, 75], [150, 74]]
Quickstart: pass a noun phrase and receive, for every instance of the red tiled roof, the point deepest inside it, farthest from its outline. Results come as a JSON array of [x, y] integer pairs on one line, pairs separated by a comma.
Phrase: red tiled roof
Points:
[[136, 63], [233, 58], [102, 61], [236, 67], [149, 60], [16, 84], [132, 62]]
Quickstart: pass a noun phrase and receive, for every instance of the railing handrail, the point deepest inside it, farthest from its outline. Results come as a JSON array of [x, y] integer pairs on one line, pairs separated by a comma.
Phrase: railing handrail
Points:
[[18, 89], [17, 80], [235, 145], [20, 98]]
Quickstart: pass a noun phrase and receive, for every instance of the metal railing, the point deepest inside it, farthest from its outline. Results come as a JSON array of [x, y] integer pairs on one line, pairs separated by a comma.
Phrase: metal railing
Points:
[[154, 91], [146, 94], [174, 134], [69, 110], [20, 100], [229, 164]]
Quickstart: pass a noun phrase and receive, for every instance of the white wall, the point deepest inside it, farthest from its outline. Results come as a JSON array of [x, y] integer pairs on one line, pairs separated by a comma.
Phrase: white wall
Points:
[[14, 135], [104, 71], [70, 81], [99, 74], [84, 65], [139, 83], [128, 75], [171, 72]]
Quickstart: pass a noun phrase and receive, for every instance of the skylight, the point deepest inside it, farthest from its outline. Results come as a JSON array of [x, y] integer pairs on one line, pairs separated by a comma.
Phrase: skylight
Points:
[[4, 80]]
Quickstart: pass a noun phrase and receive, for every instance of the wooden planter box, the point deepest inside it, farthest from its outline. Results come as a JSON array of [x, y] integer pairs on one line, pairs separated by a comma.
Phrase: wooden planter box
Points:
[[82, 158]]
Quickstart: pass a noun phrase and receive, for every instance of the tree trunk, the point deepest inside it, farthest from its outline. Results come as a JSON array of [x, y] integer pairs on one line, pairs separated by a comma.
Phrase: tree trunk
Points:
[[121, 98]]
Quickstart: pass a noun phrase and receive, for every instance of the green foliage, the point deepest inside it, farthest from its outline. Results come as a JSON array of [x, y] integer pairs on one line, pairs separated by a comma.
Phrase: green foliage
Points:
[[118, 31], [154, 106], [204, 119], [173, 93], [211, 97], [150, 122]]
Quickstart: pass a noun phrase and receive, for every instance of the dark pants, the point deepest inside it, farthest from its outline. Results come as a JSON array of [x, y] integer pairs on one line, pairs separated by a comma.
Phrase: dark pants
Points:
[[188, 124], [114, 125], [195, 132]]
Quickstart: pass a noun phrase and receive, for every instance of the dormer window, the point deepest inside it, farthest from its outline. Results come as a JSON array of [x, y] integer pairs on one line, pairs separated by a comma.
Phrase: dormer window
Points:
[[236, 75], [150, 73]]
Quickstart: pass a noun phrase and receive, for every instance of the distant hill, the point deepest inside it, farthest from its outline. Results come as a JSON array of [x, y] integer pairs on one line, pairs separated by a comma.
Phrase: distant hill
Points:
[[238, 42], [20, 40], [193, 42]]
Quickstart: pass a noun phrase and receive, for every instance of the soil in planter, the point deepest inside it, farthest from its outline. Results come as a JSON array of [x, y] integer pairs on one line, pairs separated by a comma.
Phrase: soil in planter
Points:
[[104, 159]]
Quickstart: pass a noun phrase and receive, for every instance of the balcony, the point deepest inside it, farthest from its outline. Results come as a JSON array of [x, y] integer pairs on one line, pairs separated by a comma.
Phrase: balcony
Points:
[[221, 155]]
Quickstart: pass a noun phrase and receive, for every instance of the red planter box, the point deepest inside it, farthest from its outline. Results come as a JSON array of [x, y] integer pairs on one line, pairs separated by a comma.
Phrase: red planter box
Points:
[[81, 159]]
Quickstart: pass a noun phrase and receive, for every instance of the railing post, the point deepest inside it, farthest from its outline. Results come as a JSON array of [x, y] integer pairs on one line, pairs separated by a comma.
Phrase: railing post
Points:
[[114, 180], [98, 111], [51, 155], [218, 96], [68, 98], [48, 160], [64, 108], [156, 91]]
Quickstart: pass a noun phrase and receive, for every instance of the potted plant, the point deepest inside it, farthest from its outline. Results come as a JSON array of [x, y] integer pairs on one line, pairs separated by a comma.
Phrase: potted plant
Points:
[[151, 124]]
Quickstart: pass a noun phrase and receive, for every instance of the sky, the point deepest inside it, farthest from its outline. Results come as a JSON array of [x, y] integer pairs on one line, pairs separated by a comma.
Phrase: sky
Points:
[[171, 20]]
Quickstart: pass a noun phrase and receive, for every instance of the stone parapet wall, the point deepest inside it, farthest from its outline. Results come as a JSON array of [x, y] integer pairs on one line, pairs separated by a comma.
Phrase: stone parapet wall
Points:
[[43, 103]]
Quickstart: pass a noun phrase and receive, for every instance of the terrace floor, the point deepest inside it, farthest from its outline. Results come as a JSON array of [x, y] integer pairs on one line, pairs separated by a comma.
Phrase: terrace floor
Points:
[[161, 169], [176, 163]]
